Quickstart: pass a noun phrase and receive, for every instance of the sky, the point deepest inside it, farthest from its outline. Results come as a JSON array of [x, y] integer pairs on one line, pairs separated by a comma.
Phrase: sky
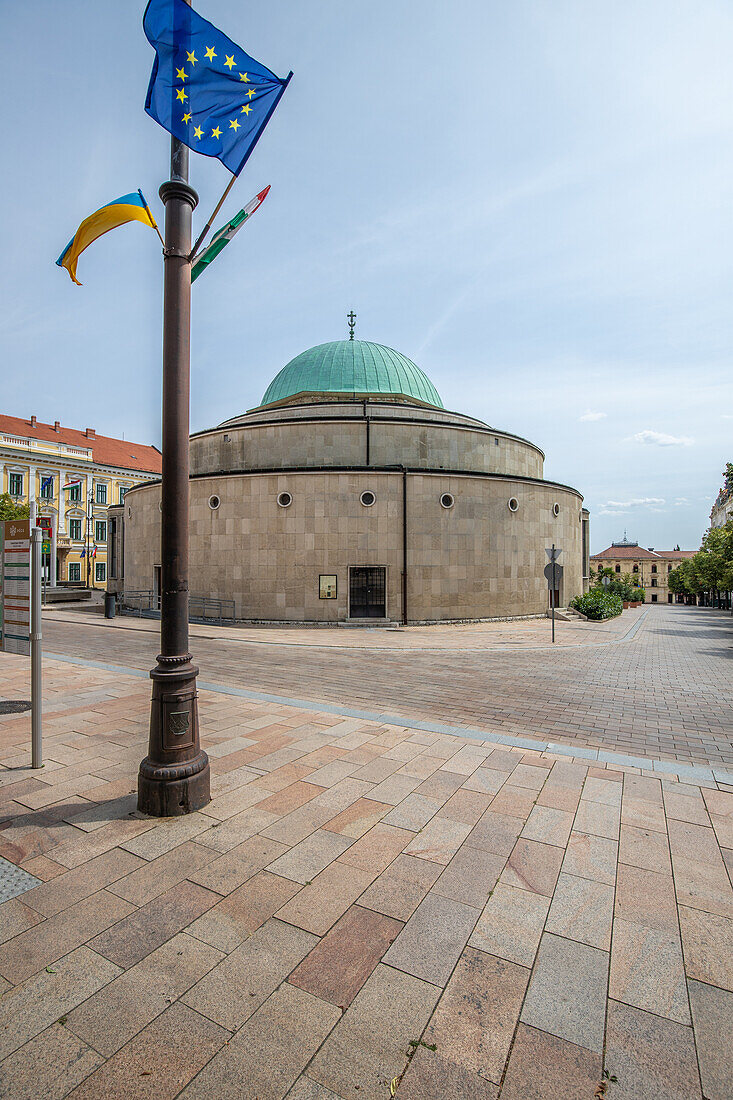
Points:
[[531, 200]]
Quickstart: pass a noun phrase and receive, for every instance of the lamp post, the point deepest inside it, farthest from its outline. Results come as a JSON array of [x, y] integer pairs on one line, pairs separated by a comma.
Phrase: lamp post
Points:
[[174, 776]]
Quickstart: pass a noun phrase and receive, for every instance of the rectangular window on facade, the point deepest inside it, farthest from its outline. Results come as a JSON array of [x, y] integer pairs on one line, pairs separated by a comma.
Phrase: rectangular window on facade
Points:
[[669, 568], [74, 492], [75, 530], [113, 547], [635, 569], [100, 531], [100, 571], [654, 582], [46, 488], [101, 494], [15, 486], [618, 568], [74, 570], [654, 569], [654, 598], [123, 490]]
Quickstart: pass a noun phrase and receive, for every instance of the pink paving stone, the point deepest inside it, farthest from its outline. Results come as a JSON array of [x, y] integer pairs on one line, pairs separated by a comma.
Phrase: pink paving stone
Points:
[[318, 906], [475, 1020], [542, 1065], [649, 1056], [432, 1077], [533, 866], [337, 967]]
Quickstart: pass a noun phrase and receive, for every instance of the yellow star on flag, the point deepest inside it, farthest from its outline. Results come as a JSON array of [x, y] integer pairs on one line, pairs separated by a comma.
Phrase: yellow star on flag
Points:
[[210, 55], [191, 57], [216, 132], [233, 124], [244, 77], [181, 74], [187, 117], [181, 94], [251, 92], [230, 62], [198, 132], [246, 108]]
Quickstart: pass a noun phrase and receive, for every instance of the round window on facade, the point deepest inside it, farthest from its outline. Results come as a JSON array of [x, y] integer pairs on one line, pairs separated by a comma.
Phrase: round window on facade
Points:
[[513, 504], [214, 502], [284, 500], [367, 498], [447, 500], [556, 509]]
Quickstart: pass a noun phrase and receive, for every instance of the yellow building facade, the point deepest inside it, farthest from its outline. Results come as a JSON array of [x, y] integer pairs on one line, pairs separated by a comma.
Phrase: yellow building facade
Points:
[[69, 478]]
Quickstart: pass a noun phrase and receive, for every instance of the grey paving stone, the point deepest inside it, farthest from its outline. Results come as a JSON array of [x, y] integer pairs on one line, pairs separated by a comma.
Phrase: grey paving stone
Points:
[[567, 992], [712, 1016], [358, 1060], [649, 1056], [269, 1051], [40, 1001], [433, 938], [234, 990]]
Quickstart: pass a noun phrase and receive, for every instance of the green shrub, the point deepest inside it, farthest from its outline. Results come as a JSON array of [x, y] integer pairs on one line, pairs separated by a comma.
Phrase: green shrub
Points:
[[598, 604], [639, 594]]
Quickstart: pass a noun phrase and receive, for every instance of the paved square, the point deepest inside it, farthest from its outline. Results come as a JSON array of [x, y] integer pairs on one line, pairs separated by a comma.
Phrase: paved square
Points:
[[364, 904]]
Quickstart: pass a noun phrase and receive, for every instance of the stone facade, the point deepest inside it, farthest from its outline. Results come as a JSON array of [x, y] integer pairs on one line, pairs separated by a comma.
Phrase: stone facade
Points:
[[336, 505]]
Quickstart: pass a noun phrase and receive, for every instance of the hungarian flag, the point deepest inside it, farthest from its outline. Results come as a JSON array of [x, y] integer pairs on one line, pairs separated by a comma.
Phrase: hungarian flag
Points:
[[222, 238]]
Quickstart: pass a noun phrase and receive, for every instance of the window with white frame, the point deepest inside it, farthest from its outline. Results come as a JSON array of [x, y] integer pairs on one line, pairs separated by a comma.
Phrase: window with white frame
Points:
[[74, 570], [75, 530], [101, 493], [123, 490], [15, 485], [47, 487], [100, 531], [100, 571], [75, 492]]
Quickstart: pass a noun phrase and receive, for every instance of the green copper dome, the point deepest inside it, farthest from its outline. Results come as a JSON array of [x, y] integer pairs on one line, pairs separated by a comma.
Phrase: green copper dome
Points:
[[352, 366]]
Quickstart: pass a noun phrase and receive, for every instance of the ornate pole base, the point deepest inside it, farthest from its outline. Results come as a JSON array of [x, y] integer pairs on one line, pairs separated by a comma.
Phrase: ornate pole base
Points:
[[174, 776]]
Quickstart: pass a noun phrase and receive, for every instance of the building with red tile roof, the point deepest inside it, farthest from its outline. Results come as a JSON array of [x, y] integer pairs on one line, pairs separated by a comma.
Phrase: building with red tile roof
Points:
[[69, 477], [648, 567]]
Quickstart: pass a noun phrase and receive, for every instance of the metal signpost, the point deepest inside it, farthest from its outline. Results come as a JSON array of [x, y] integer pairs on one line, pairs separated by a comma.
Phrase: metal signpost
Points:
[[36, 648], [553, 572], [20, 609]]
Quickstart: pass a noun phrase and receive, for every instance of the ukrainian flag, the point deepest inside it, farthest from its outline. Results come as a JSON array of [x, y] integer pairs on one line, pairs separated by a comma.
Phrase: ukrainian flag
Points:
[[129, 208]]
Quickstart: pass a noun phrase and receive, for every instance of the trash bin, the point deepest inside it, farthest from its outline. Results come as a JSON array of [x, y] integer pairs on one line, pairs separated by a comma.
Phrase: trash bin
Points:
[[109, 605]]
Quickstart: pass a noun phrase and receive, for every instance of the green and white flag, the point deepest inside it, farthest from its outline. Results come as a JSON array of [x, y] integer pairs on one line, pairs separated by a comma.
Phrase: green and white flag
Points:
[[221, 239]]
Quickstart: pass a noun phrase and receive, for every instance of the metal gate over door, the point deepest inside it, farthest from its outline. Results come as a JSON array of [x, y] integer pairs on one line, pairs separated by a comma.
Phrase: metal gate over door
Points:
[[367, 592]]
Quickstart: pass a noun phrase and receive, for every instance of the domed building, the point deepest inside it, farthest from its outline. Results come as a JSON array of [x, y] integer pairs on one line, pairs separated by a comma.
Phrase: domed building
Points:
[[352, 494]]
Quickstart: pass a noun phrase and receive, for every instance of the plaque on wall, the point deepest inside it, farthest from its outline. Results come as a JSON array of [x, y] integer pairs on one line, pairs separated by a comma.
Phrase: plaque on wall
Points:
[[327, 587]]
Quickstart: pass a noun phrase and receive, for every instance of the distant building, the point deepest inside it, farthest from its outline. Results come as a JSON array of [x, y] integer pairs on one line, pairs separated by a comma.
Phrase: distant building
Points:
[[648, 568], [722, 510], [38, 460]]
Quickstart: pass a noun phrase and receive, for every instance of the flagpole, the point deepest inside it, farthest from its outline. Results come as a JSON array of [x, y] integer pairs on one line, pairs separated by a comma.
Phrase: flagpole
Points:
[[210, 222], [174, 776], [235, 177]]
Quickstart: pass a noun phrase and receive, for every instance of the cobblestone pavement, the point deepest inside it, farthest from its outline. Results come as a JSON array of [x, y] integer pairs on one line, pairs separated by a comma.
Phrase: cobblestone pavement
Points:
[[363, 906], [655, 682]]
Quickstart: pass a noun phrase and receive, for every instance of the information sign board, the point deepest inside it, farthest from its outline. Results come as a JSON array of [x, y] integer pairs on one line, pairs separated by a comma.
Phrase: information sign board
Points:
[[15, 586]]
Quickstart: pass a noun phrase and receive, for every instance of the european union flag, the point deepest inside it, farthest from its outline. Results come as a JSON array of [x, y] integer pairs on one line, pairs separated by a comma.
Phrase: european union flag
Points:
[[204, 89]]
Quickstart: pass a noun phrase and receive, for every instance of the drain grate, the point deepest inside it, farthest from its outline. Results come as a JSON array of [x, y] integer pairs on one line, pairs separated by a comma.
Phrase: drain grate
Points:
[[14, 706], [14, 880]]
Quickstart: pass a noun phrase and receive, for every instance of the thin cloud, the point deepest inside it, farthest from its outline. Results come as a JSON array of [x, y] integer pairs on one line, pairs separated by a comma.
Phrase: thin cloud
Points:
[[590, 415], [636, 502], [661, 439]]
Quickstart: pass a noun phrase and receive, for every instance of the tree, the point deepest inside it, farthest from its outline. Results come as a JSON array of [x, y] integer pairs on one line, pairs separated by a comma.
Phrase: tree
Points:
[[10, 509]]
